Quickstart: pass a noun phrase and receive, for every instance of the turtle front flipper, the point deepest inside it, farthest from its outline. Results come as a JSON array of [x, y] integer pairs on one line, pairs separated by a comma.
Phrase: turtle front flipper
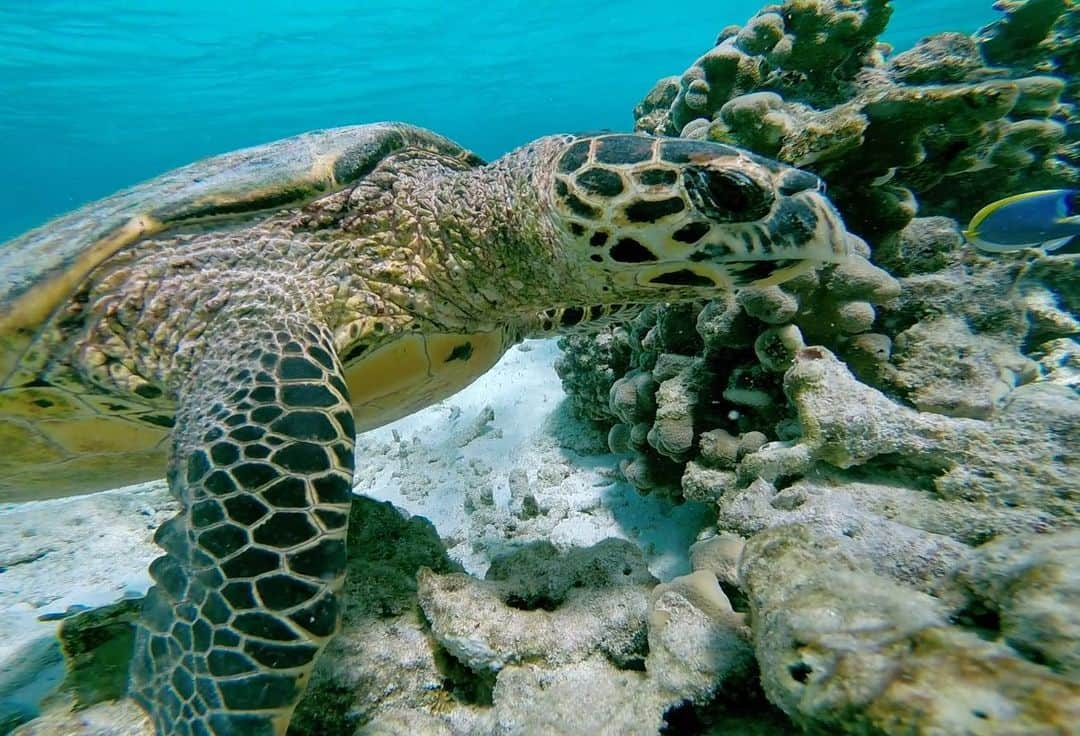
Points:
[[247, 593]]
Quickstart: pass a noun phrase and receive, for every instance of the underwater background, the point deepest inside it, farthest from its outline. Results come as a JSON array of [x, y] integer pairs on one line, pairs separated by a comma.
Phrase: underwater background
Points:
[[97, 96], [846, 503]]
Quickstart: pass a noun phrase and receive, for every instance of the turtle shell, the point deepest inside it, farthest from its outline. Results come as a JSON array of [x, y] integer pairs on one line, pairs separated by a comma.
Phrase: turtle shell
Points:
[[64, 438], [40, 269]]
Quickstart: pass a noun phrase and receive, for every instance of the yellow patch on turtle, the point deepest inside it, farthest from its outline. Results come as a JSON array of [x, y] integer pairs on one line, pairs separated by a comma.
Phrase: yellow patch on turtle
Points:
[[110, 405], [81, 474], [24, 447], [53, 445], [36, 403], [415, 371], [96, 435]]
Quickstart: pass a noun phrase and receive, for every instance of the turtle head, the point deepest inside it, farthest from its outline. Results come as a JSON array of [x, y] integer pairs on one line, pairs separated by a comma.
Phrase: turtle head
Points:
[[647, 214]]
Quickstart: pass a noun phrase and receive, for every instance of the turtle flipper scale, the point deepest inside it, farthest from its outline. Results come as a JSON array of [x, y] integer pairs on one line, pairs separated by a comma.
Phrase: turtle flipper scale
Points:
[[246, 595]]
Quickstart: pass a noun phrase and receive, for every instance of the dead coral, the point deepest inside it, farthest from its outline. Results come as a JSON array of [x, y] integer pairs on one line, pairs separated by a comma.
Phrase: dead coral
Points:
[[845, 650]]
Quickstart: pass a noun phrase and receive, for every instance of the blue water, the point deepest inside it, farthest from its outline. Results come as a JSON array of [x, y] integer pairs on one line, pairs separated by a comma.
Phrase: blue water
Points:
[[98, 95]]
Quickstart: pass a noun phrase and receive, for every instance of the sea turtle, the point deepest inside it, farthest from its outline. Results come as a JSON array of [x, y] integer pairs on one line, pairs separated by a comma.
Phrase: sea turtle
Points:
[[239, 319]]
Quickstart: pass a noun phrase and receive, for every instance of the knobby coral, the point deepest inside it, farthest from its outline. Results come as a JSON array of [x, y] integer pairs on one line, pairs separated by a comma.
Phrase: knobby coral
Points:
[[891, 445]]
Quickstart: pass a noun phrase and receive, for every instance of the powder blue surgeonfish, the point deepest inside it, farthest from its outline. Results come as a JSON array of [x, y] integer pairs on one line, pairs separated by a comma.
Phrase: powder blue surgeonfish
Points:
[[1048, 219]]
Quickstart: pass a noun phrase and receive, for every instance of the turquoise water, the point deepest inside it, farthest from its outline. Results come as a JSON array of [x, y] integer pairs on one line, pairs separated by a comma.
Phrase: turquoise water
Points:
[[96, 96]]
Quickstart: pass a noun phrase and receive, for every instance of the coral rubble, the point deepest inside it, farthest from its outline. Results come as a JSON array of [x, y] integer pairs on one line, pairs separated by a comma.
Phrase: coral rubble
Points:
[[582, 641]]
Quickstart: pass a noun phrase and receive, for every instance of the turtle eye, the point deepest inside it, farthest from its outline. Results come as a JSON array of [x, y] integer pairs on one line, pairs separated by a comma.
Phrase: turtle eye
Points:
[[727, 195]]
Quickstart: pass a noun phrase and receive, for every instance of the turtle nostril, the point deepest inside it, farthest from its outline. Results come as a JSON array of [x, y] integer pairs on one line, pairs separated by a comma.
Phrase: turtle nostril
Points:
[[797, 180]]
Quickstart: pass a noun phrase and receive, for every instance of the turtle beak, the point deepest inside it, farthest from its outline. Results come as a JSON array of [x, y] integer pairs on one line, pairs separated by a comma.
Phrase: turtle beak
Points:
[[795, 181]]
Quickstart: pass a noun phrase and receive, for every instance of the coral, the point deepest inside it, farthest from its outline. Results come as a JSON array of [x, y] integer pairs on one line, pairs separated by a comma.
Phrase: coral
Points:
[[942, 367], [863, 547], [489, 624], [954, 337], [1024, 457], [890, 444], [843, 649], [518, 652], [97, 648], [888, 544], [385, 551], [1026, 27], [689, 360], [1031, 586], [811, 46], [557, 630], [541, 577], [588, 366], [1060, 362], [925, 245], [930, 469], [589, 697], [719, 554], [957, 119], [697, 642]]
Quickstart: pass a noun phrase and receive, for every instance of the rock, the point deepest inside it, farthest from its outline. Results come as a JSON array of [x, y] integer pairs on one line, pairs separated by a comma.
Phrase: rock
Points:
[[845, 650], [942, 367], [925, 245], [119, 718], [1060, 362], [599, 606], [541, 576], [697, 642], [590, 696], [1031, 584]]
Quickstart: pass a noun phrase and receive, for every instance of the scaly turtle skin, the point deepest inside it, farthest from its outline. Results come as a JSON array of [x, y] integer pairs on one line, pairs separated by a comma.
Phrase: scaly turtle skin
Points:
[[240, 318]]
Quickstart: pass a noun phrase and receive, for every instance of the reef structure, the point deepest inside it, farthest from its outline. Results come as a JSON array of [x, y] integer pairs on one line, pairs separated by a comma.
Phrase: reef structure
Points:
[[891, 445], [955, 121]]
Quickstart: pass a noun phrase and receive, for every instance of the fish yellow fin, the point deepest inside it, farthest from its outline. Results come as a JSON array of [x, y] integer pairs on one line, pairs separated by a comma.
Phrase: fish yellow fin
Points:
[[973, 227]]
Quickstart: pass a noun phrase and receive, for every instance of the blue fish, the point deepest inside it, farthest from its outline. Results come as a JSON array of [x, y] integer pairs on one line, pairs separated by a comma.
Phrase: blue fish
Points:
[[1047, 219]]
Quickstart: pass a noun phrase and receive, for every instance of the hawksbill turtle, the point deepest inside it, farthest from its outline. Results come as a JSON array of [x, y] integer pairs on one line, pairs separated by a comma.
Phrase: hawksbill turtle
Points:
[[236, 321]]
